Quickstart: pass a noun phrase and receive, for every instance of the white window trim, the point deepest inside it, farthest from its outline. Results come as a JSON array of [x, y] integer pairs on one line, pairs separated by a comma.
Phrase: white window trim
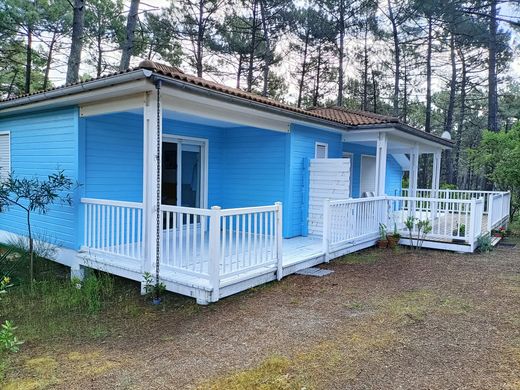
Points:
[[317, 144], [361, 171], [204, 143], [8, 133]]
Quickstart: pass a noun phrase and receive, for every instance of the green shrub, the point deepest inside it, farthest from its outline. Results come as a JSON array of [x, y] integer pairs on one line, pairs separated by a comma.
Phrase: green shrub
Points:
[[484, 244]]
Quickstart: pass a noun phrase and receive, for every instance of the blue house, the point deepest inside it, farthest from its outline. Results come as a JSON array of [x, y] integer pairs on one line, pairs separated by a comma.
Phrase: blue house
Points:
[[220, 188]]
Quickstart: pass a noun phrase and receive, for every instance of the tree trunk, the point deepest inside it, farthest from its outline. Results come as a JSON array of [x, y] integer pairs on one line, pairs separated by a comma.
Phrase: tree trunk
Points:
[[341, 53], [11, 85], [49, 61], [492, 69], [78, 23], [428, 116], [397, 58], [252, 49], [448, 126], [374, 92], [200, 39], [31, 248], [304, 69], [267, 57], [99, 61], [128, 46], [318, 75], [365, 69], [28, 64], [239, 72], [462, 113]]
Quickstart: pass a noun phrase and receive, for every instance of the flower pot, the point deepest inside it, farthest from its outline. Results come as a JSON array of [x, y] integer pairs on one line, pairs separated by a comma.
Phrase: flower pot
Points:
[[393, 240], [156, 301], [382, 244]]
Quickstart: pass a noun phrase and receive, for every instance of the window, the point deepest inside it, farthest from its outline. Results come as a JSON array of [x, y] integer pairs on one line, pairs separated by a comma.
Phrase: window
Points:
[[5, 155], [322, 150]]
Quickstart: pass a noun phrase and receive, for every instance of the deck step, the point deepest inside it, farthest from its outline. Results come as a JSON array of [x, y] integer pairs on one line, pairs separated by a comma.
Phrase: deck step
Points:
[[495, 240], [314, 271]]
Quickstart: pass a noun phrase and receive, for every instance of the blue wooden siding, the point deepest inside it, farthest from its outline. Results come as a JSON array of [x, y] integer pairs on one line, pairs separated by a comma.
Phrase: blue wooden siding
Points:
[[302, 146], [394, 172], [41, 143], [113, 157], [246, 166]]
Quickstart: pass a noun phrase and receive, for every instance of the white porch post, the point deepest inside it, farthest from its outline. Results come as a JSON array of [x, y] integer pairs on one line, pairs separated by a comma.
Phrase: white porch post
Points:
[[436, 178], [414, 171], [381, 155], [152, 116]]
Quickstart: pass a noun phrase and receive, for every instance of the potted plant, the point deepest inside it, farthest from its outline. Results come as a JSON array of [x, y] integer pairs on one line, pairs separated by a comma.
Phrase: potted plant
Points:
[[460, 231], [393, 239], [153, 290], [383, 240]]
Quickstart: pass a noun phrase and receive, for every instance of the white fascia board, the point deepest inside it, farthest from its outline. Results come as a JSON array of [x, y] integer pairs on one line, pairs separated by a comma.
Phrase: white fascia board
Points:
[[84, 97], [364, 135], [107, 106], [189, 103]]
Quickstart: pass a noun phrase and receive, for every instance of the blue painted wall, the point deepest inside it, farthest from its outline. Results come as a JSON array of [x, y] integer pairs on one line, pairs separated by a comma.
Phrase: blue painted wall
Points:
[[394, 172], [301, 147], [113, 157], [41, 143], [246, 166]]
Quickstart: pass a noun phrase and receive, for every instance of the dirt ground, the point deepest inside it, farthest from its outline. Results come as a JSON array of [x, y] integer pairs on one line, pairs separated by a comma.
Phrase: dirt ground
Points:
[[382, 320]]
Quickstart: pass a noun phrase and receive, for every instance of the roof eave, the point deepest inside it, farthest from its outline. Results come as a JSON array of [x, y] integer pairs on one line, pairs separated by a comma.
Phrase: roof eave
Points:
[[409, 130], [250, 103], [75, 89]]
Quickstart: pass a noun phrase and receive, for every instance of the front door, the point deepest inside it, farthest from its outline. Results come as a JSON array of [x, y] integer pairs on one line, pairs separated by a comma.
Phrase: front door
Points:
[[183, 178]]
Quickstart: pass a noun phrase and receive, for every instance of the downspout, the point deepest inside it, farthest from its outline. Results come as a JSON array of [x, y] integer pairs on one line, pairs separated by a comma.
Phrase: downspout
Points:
[[158, 136]]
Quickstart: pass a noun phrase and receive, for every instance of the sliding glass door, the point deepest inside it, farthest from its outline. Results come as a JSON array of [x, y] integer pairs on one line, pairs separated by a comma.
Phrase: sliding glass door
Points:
[[183, 172]]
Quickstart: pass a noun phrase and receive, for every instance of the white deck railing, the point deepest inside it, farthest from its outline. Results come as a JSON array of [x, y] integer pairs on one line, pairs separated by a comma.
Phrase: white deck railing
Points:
[[113, 227], [355, 220], [352, 220], [499, 206], [211, 244], [453, 195]]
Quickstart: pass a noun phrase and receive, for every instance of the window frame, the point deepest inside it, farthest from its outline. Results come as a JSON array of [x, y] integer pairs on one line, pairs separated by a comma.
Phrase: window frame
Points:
[[8, 134], [323, 144]]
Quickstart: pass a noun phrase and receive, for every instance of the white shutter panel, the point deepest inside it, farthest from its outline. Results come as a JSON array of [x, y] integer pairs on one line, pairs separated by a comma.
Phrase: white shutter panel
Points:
[[5, 156]]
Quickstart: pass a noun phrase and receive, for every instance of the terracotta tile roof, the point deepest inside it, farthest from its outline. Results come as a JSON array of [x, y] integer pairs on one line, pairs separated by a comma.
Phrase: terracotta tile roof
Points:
[[64, 86], [353, 117]]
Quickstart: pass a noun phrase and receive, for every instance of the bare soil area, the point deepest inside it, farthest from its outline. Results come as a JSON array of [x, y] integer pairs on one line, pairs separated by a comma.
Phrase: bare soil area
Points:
[[382, 320]]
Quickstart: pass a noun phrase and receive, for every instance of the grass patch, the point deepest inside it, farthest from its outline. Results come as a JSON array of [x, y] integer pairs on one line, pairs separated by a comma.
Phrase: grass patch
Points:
[[334, 361], [415, 306], [366, 257]]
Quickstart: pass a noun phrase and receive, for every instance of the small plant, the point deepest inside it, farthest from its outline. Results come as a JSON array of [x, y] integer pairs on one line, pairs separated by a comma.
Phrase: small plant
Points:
[[383, 240], [8, 340], [153, 290], [421, 228], [460, 231], [484, 244], [501, 232], [393, 239], [34, 195]]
